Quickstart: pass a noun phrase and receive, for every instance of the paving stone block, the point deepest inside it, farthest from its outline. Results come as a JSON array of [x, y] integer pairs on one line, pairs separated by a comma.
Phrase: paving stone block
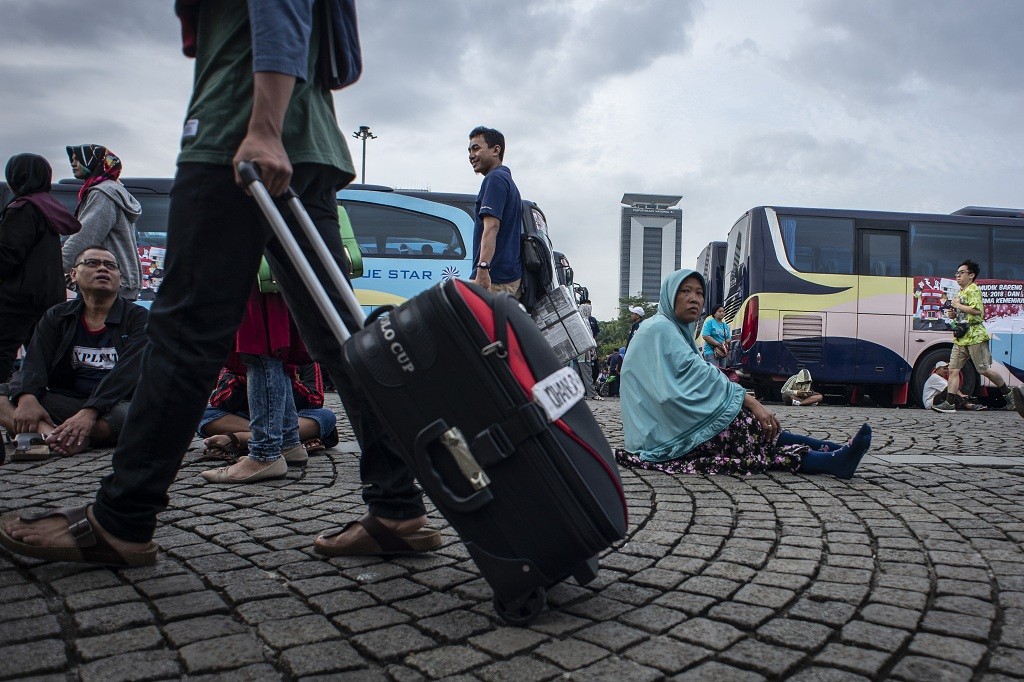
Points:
[[795, 634], [20, 661], [442, 578], [137, 665], [629, 593], [557, 623], [391, 643], [102, 646], [598, 608], [373, 618], [819, 674], [113, 618], [828, 612], [333, 603], [957, 625], [518, 669], [767, 659], [893, 616], [615, 668], [322, 658], [571, 654], [875, 636], [932, 669], [242, 591], [23, 610], [81, 601], [653, 618], [393, 590], [80, 582], [710, 587], [185, 632], [190, 605], [707, 633], [257, 612], [430, 604], [611, 635], [454, 626], [508, 641], [170, 586], [948, 649], [713, 671], [222, 653], [667, 654], [744, 616], [1007, 660], [761, 595], [287, 633], [969, 606], [309, 587], [689, 603]]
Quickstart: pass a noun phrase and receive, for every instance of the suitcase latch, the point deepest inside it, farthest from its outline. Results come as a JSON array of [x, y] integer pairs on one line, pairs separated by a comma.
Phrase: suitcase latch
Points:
[[494, 348], [456, 444]]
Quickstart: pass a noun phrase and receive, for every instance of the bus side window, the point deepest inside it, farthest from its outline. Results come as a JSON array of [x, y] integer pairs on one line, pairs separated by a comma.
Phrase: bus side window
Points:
[[398, 233], [1008, 259]]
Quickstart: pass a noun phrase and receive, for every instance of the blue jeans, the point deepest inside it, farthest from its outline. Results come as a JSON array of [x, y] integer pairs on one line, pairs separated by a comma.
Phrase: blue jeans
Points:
[[272, 418]]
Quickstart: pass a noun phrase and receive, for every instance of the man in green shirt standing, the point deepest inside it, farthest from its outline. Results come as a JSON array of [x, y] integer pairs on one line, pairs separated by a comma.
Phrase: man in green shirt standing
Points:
[[969, 309]]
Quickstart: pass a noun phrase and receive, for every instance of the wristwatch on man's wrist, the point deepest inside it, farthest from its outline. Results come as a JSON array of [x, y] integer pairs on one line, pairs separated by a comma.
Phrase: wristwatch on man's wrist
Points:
[[484, 264]]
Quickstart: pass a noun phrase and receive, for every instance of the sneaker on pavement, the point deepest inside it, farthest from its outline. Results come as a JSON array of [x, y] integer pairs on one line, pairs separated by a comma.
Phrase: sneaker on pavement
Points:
[[944, 407]]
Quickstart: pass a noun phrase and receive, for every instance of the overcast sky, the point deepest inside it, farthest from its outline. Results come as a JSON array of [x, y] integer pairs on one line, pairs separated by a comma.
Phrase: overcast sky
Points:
[[908, 105]]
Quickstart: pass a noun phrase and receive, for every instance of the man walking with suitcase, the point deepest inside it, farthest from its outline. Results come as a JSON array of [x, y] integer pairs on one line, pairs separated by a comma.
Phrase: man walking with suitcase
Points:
[[216, 237], [497, 263]]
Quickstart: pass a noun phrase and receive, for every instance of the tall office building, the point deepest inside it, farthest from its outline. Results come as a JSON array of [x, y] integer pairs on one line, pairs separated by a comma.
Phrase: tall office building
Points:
[[650, 243]]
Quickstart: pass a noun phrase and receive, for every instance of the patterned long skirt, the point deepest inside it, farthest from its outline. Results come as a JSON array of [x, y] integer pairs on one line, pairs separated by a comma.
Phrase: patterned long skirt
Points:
[[740, 449]]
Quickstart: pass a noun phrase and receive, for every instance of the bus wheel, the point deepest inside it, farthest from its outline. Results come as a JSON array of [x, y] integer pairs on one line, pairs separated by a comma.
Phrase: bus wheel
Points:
[[925, 365]]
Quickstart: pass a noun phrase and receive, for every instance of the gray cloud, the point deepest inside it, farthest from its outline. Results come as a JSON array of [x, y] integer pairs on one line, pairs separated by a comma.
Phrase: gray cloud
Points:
[[894, 51], [99, 26]]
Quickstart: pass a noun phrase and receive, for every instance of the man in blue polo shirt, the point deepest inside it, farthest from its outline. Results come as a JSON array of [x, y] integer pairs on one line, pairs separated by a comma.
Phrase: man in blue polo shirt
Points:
[[497, 265]]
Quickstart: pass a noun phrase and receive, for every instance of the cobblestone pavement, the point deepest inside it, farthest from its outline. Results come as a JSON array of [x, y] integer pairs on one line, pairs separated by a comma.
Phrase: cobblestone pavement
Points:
[[914, 570]]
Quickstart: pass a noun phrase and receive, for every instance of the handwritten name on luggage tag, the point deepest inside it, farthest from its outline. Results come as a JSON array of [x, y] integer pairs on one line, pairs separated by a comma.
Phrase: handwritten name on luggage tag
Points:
[[559, 392]]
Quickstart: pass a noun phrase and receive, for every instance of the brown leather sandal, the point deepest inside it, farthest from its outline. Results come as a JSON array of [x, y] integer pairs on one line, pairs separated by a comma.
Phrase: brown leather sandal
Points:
[[228, 454], [90, 547], [382, 541]]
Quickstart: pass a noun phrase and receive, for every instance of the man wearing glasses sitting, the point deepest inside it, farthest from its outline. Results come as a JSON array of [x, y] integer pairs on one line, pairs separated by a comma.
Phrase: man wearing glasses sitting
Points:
[[81, 366]]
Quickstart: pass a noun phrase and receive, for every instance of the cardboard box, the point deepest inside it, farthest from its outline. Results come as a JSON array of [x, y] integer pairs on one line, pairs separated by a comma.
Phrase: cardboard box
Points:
[[562, 325]]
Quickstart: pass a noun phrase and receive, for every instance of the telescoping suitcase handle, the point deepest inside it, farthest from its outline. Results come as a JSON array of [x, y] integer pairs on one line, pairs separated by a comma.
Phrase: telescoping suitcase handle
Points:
[[251, 176]]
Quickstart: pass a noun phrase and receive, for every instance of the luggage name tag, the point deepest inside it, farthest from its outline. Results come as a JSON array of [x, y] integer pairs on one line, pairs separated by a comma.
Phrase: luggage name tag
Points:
[[558, 392]]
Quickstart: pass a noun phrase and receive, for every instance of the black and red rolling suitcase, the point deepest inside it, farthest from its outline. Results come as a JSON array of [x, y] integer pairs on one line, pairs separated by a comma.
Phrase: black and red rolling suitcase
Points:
[[493, 426]]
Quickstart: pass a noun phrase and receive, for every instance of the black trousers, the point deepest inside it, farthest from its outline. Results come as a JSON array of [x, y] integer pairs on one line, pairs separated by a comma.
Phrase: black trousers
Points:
[[216, 236], [16, 327]]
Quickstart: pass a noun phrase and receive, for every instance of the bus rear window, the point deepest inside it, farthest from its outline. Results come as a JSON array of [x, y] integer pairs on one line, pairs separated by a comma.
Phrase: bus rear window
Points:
[[815, 244]]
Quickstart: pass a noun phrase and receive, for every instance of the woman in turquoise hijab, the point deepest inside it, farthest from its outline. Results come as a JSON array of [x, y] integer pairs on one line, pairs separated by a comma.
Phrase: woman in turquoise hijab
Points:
[[682, 415]]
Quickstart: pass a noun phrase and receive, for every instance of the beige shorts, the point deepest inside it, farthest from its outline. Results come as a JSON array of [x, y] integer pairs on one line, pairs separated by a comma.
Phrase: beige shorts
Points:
[[506, 288], [979, 354]]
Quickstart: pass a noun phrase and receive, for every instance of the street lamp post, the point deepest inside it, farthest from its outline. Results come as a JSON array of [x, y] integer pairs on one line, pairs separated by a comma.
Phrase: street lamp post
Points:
[[363, 134]]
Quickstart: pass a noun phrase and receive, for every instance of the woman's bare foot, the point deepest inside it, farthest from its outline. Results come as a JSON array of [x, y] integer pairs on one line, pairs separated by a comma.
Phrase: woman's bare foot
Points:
[[53, 532]]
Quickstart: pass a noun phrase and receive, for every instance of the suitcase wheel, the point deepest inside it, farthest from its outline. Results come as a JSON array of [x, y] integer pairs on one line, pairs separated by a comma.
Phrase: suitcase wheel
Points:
[[522, 611]]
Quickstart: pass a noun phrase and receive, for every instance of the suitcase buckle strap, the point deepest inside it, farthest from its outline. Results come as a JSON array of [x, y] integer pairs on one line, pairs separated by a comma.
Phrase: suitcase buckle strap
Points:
[[496, 348], [456, 444], [497, 442]]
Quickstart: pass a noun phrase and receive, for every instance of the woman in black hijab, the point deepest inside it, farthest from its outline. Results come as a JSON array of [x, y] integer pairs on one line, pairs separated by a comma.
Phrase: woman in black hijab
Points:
[[31, 272]]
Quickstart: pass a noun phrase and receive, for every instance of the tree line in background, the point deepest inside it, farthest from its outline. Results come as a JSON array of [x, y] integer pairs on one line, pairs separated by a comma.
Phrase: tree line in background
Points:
[[612, 334]]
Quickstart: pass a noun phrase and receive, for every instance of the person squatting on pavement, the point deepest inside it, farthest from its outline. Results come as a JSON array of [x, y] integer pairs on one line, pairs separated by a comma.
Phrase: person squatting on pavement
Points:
[[682, 415], [31, 274], [968, 308], [226, 428], [497, 260], [81, 367], [216, 238], [108, 213], [798, 390], [935, 390]]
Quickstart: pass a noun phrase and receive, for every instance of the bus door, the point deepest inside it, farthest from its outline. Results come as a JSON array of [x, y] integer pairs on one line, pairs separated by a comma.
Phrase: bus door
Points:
[[882, 300]]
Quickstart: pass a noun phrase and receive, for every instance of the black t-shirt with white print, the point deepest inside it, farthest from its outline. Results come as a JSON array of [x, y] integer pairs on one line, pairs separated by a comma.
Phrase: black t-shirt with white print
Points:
[[93, 355]]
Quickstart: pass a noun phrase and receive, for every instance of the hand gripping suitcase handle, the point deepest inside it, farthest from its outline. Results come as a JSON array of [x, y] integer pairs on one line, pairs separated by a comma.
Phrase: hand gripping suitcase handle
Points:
[[250, 174], [453, 440]]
